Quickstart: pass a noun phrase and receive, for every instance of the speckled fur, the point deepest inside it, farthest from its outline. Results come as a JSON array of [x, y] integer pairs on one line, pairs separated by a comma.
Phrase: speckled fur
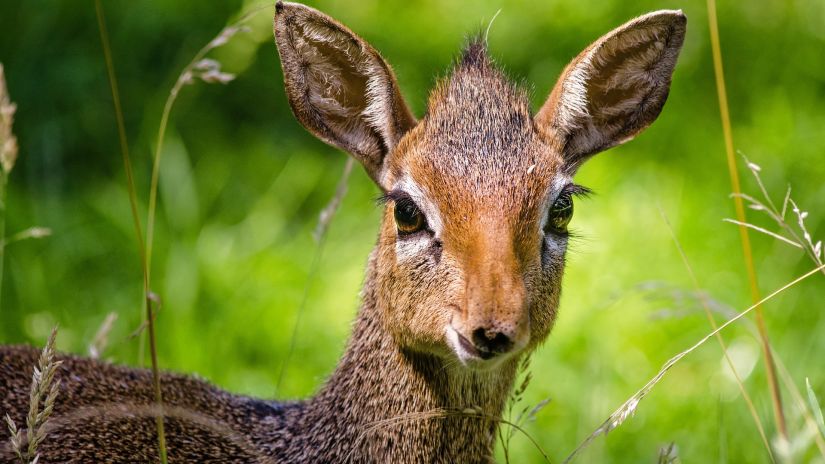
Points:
[[104, 413], [485, 170]]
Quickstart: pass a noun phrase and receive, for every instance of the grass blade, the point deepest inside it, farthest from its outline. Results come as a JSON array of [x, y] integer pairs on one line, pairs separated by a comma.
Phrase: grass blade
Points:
[[820, 422], [764, 231], [712, 321], [124, 147], [629, 406], [776, 398]]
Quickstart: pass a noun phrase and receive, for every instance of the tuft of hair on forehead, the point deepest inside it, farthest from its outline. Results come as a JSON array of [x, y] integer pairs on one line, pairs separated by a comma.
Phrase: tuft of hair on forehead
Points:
[[476, 113], [475, 79], [476, 82], [475, 54]]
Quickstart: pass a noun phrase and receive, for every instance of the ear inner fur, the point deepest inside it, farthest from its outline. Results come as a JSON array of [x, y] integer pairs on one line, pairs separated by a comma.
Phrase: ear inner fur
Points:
[[615, 88], [339, 87]]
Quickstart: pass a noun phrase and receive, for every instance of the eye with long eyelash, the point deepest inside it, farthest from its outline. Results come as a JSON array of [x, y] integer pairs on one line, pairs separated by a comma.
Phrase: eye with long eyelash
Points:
[[408, 217], [561, 211]]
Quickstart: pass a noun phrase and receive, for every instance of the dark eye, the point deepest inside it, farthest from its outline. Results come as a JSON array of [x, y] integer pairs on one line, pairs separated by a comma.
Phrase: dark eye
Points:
[[408, 218], [560, 213]]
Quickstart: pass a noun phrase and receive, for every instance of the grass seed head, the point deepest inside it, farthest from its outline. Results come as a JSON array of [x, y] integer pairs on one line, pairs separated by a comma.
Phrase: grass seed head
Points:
[[8, 142]]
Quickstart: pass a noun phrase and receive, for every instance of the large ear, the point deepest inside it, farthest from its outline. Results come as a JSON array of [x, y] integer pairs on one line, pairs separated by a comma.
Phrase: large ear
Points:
[[615, 88], [339, 87]]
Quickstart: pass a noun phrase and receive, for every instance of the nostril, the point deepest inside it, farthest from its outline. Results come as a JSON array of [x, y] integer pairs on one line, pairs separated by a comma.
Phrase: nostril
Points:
[[491, 343]]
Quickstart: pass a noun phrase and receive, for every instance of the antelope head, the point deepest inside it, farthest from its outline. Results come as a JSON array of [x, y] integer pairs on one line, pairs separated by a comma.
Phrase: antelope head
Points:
[[479, 191]]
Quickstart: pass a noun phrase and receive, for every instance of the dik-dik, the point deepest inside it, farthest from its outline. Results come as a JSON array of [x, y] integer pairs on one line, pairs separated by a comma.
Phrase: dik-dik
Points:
[[464, 280]]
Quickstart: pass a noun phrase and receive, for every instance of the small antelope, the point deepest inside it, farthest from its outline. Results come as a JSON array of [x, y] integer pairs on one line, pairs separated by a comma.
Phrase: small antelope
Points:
[[463, 282]]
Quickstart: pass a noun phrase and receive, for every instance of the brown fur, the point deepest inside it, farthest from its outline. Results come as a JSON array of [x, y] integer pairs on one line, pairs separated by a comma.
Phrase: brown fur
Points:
[[448, 311]]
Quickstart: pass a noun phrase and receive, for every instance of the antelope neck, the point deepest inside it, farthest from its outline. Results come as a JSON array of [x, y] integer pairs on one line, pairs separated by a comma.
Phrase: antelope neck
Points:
[[387, 404]]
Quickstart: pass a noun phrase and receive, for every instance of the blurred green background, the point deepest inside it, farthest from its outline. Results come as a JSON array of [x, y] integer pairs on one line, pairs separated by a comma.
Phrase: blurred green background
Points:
[[242, 184]]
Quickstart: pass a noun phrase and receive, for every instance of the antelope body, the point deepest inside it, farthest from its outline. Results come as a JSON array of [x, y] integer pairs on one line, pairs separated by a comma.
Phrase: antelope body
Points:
[[463, 282]]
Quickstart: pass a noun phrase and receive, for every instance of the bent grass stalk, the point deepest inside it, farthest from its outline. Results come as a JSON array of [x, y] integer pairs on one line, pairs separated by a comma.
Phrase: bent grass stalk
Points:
[[799, 238], [776, 397], [629, 407], [208, 71], [320, 236], [704, 301]]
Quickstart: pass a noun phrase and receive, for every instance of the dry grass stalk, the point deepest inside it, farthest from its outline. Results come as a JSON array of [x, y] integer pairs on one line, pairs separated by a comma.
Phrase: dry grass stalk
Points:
[[44, 390], [713, 325], [796, 235], [527, 414], [101, 340], [669, 454], [326, 215], [199, 68], [718, 71], [8, 142], [319, 234], [628, 408], [124, 146], [8, 155], [208, 71]]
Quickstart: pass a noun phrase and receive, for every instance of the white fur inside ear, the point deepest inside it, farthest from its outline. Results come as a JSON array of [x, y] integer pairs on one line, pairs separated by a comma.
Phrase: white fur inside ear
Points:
[[572, 111], [616, 87], [334, 83], [376, 110], [339, 87]]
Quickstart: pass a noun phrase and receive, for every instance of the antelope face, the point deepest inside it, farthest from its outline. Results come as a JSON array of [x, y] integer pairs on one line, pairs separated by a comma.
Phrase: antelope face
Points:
[[475, 228], [479, 192]]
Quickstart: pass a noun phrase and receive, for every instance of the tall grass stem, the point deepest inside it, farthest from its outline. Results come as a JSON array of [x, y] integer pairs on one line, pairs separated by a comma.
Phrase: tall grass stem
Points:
[[320, 236], [184, 78], [124, 147], [773, 384]]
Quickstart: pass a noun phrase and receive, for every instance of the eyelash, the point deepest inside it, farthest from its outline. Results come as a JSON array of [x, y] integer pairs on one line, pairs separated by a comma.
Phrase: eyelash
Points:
[[576, 190], [402, 201]]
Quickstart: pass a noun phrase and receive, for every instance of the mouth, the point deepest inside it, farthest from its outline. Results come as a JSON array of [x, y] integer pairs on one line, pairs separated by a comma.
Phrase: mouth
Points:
[[471, 349], [468, 354]]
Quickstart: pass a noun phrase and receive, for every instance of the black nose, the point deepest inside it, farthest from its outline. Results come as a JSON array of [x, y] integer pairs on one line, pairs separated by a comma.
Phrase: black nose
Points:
[[490, 343]]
